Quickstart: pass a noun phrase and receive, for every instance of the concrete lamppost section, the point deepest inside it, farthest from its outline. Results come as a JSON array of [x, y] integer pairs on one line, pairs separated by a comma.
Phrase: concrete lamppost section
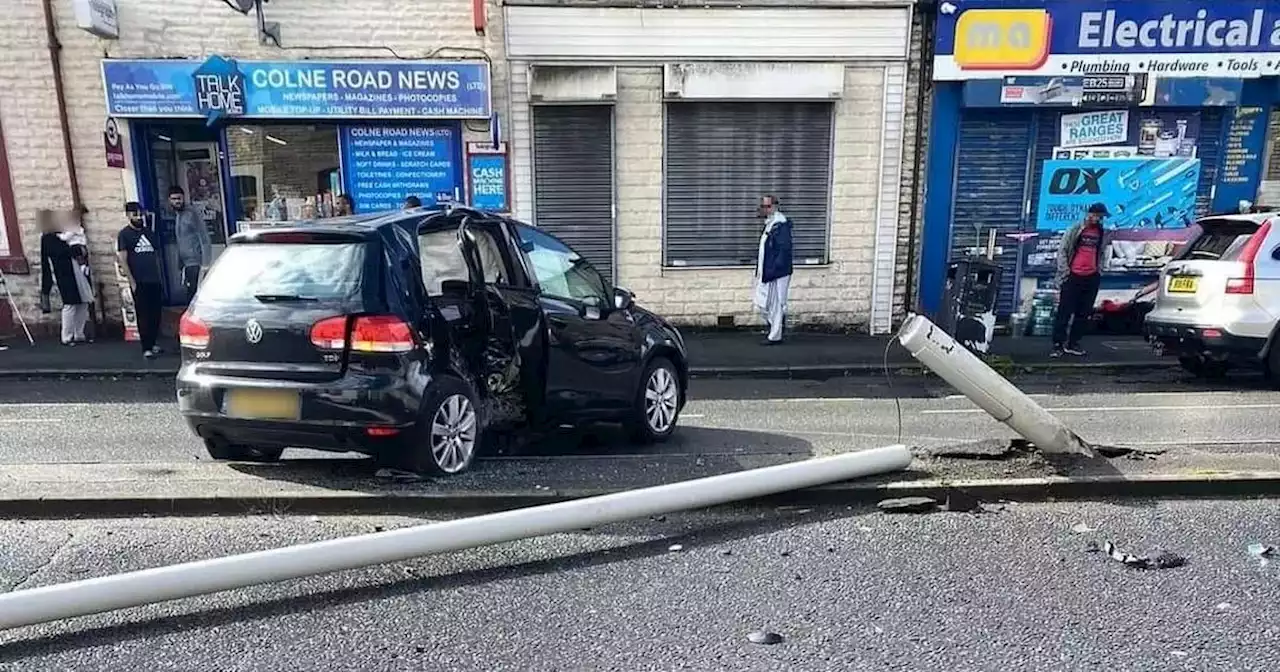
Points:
[[107, 593], [934, 348]]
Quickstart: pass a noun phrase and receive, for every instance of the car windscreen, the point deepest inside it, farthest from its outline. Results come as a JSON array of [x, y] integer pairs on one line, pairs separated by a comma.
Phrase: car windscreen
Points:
[[1220, 240], [328, 272]]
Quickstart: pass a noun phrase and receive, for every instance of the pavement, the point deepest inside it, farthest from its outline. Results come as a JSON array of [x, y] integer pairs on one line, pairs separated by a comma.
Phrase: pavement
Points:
[[713, 353], [119, 447], [844, 588]]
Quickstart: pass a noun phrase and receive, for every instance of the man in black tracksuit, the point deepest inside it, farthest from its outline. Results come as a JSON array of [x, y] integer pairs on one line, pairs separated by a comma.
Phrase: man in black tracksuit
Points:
[[1078, 277]]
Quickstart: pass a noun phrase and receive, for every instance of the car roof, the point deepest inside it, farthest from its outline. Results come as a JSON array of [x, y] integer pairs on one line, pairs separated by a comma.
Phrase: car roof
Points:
[[355, 227]]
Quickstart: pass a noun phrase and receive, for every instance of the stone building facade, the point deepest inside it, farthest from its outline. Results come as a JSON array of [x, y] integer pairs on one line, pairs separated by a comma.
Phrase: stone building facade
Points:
[[668, 74]]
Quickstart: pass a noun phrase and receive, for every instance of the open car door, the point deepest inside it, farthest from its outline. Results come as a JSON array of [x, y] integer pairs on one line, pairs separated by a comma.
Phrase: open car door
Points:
[[510, 318]]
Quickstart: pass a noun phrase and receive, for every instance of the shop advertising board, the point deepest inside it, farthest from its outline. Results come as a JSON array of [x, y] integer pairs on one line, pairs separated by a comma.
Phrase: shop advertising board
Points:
[[381, 165], [219, 88], [488, 177], [1151, 200], [1103, 127], [982, 39], [1241, 162]]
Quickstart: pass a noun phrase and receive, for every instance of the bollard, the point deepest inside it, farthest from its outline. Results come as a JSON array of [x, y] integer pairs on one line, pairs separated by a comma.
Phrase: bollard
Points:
[[934, 348], [107, 593]]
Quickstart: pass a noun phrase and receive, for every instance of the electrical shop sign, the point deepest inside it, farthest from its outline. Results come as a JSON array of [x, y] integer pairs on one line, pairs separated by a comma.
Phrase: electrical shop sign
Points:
[[219, 88], [984, 39]]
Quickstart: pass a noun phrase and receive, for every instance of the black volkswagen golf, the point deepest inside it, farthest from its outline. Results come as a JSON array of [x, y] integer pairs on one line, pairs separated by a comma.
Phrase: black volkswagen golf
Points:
[[411, 335]]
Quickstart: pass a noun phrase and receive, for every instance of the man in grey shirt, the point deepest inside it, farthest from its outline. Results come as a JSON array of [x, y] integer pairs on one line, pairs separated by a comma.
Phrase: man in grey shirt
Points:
[[195, 249]]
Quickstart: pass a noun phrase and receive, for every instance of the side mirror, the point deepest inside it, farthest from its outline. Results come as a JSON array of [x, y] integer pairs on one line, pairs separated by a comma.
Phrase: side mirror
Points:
[[623, 298]]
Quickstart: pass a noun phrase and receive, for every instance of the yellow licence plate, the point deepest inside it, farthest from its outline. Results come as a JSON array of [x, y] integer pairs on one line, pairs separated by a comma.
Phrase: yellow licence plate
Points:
[[1183, 284], [262, 404]]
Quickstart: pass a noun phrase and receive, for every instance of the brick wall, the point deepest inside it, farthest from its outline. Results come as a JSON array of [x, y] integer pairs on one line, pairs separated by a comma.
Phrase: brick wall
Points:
[[838, 294], [181, 28]]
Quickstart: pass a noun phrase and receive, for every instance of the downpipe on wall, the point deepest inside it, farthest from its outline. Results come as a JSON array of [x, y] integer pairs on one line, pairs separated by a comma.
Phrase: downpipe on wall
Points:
[[55, 59]]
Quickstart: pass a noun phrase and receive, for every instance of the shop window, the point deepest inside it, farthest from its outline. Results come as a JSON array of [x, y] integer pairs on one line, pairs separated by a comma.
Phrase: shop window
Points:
[[284, 171], [722, 157], [11, 258]]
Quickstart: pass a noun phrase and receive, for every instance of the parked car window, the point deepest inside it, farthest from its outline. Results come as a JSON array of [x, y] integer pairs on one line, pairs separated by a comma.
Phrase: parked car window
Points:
[[1221, 240], [324, 272], [560, 271]]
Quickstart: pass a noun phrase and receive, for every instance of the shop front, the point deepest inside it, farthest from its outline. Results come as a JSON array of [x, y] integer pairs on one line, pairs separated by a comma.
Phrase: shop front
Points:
[[1156, 109], [255, 141]]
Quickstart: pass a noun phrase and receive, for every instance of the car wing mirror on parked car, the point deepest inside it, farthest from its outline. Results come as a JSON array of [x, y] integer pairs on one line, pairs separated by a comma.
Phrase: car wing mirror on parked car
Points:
[[622, 298]]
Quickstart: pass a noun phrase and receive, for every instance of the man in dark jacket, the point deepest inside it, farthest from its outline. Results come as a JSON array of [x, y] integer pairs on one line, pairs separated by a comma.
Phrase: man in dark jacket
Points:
[[773, 268], [1078, 277]]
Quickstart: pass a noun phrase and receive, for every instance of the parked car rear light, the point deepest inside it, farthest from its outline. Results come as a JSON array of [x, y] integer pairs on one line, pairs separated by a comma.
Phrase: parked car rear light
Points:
[[369, 333], [192, 333], [330, 333], [1248, 255], [381, 333], [381, 432], [1211, 333]]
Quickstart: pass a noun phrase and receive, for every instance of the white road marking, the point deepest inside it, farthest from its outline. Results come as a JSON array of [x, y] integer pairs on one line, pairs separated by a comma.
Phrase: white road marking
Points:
[[16, 421], [1111, 409]]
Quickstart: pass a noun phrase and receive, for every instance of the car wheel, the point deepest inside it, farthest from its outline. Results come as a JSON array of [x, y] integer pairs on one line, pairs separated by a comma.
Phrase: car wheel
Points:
[[657, 405], [221, 450], [448, 432], [1273, 364]]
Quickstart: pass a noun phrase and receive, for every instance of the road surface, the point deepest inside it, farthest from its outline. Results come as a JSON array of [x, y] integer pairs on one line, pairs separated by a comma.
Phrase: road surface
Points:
[[848, 590], [132, 421]]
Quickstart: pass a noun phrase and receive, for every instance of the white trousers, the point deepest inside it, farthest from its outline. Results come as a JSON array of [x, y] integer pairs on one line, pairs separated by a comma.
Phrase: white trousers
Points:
[[74, 317], [771, 301]]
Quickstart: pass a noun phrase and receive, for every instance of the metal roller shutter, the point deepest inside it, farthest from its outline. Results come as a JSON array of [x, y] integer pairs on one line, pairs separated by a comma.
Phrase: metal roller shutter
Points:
[[990, 189], [722, 157], [573, 178]]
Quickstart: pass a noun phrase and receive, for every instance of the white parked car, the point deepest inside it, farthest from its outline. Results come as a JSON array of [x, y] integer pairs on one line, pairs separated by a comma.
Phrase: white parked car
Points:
[[1218, 302]]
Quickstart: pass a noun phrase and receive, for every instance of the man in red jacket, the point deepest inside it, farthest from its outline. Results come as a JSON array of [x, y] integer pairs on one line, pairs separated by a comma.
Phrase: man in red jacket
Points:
[[1079, 274]]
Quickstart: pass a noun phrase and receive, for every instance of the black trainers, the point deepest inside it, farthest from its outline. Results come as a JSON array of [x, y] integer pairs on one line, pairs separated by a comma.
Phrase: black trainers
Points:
[[1056, 352], [1074, 351]]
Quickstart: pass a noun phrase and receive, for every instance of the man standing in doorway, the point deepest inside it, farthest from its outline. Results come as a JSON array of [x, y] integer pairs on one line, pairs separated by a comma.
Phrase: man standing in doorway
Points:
[[1079, 274], [773, 268], [139, 261], [195, 249]]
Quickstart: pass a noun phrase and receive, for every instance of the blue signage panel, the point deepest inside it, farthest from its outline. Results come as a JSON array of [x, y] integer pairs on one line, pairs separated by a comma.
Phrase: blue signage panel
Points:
[[381, 165], [1170, 38], [1241, 159], [487, 180], [1152, 200], [221, 87]]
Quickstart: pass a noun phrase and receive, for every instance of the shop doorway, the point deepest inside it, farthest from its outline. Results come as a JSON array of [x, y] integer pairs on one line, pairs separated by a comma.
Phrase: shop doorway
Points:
[[188, 155]]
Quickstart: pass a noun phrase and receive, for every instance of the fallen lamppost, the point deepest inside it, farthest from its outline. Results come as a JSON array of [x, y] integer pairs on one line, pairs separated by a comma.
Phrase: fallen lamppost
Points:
[[160, 584], [934, 348]]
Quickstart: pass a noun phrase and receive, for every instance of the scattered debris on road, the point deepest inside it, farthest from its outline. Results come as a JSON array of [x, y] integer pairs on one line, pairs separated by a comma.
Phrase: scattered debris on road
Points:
[[764, 637], [398, 475], [1157, 560], [675, 548], [1082, 528], [1091, 547], [1263, 552], [1129, 452], [908, 505], [987, 449]]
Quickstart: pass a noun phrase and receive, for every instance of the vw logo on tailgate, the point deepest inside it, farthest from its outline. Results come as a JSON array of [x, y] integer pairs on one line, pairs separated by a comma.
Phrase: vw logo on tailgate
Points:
[[252, 331]]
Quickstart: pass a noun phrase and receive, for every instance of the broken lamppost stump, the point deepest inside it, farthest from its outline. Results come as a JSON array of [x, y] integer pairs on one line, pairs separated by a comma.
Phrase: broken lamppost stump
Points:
[[160, 584], [934, 348]]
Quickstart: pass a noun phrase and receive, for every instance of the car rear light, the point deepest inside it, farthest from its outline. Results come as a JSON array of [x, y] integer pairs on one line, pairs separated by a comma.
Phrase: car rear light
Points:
[[1248, 255], [192, 333], [1211, 333], [381, 432], [369, 333], [330, 333]]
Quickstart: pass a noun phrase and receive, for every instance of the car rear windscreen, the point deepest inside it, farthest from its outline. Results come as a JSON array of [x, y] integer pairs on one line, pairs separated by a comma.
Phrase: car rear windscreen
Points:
[[1220, 240], [329, 272]]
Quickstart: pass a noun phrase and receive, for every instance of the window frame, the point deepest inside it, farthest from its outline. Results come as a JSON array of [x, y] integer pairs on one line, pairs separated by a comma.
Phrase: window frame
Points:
[[606, 286], [15, 261]]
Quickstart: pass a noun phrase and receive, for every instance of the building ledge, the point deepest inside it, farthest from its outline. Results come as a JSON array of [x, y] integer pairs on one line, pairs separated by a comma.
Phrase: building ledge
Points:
[[15, 264]]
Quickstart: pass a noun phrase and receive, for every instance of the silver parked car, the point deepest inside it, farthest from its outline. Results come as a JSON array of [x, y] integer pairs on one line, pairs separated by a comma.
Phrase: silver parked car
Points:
[[1218, 301]]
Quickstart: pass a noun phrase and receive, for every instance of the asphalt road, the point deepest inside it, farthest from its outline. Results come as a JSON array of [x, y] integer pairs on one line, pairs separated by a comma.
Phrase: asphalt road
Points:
[[847, 590], [136, 420]]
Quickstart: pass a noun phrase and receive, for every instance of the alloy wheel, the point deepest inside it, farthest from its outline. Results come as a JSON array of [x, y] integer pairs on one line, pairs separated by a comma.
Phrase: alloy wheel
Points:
[[661, 399], [453, 434]]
